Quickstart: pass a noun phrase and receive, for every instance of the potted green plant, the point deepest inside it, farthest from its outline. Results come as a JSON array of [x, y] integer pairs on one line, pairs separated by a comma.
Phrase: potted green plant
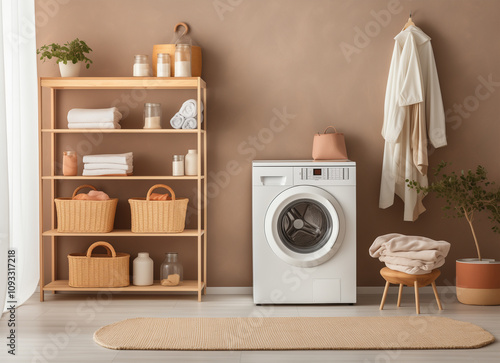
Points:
[[70, 56], [468, 193]]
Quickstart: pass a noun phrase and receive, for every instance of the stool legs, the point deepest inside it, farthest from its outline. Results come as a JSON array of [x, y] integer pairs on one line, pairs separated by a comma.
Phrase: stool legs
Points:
[[399, 294], [436, 295], [417, 299], [384, 296]]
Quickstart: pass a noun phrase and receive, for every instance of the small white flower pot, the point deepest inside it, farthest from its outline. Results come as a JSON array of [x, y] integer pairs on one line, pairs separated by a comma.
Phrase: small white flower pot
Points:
[[70, 69]]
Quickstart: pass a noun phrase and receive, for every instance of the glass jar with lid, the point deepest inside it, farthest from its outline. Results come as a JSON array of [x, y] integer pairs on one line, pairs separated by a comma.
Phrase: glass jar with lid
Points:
[[152, 115], [141, 65], [163, 65], [171, 272], [182, 60]]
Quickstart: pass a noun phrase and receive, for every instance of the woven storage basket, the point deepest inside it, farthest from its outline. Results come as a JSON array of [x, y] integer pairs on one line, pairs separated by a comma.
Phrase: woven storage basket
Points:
[[85, 216], [170, 49], [167, 216], [99, 270]]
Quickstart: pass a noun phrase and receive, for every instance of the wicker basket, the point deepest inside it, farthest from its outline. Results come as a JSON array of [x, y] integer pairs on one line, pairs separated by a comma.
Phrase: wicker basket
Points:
[[85, 216], [158, 216], [99, 270]]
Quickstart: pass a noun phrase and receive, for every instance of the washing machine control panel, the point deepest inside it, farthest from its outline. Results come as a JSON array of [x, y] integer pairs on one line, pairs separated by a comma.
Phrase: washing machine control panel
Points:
[[324, 173]]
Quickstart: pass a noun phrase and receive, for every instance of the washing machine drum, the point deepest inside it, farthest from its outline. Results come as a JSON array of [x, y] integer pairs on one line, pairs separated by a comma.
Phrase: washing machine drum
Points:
[[305, 226]]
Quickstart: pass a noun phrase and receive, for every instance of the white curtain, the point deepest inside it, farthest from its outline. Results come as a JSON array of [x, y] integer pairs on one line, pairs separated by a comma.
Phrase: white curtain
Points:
[[19, 223]]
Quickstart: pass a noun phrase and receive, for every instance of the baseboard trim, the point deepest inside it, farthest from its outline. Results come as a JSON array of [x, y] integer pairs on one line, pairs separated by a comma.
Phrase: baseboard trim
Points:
[[361, 290]]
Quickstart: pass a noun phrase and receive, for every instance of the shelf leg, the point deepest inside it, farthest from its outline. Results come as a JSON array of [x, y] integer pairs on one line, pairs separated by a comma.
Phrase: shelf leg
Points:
[[205, 201], [54, 261], [40, 187]]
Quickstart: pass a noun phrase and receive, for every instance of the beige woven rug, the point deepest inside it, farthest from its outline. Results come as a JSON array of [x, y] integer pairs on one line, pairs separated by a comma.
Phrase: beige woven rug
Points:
[[403, 332]]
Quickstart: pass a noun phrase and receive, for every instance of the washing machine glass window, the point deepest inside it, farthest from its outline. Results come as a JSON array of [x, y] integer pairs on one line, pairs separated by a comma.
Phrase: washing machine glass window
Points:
[[304, 226]]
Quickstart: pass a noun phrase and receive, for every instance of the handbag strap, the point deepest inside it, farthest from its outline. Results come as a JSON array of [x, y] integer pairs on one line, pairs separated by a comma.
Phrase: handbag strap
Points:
[[330, 127]]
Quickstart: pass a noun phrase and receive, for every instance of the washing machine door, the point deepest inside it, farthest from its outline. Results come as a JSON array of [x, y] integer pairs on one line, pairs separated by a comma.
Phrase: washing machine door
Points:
[[304, 226]]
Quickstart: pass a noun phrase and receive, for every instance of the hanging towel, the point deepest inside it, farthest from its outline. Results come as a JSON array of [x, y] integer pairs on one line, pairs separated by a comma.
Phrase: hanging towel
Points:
[[125, 158], [413, 113], [94, 125], [190, 108], [177, 121], [79, 115]]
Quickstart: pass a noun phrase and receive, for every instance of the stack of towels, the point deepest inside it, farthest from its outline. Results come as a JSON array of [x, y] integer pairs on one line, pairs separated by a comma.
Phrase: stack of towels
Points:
[[413, 255], [98, 118], [108, 164], [186, 118]]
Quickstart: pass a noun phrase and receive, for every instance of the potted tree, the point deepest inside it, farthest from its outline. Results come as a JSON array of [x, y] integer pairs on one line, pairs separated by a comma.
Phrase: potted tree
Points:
[[70, 56], [468, 193]]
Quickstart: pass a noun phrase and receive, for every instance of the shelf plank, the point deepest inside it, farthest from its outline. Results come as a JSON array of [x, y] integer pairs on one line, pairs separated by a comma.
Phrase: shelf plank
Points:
[[133, 177], [122, 82], [121, 131], [124, 233], [63, 285]]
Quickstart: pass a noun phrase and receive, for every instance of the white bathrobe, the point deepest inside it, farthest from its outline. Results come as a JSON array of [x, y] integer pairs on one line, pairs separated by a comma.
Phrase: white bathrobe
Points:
[[413, 113]]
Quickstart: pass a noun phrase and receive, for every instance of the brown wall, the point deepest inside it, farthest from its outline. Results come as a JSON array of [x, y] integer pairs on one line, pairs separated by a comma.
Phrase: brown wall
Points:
[[266, 56]]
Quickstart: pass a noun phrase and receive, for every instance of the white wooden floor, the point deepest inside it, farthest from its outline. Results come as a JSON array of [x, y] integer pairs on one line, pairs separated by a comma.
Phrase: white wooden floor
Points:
[[61, 328]]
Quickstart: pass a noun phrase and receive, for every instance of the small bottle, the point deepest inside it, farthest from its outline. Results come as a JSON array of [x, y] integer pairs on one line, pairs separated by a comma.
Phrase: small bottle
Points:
[[152, 115], [141, 66], [171, 272], [142, 270], [163, 65], [182, 60], [178, 165], [70, 165], [191, 162]]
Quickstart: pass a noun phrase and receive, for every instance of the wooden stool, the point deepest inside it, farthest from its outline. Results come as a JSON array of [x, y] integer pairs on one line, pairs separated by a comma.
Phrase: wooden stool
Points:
[[397, 277]]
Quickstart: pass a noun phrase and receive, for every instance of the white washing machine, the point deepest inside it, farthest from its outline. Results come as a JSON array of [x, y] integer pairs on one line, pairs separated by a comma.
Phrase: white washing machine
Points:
[[304, 232]]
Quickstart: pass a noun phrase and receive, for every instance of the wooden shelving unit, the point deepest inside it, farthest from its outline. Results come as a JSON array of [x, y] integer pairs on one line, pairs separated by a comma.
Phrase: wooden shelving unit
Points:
[[105, 83]]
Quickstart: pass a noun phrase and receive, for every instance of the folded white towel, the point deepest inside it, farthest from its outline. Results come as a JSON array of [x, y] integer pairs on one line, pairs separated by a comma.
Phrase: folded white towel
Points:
[[94, 125], [190, 108], [79, 115], [126, 158], [94, 166], [415, 270], [103, 172], [409, 262], [190, 123], [177, 120], [396, 242]]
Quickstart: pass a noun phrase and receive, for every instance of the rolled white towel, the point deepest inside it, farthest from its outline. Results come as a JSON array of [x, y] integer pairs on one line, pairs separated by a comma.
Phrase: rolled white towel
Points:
[[95, 166], [79, 115], [125, 158], [94, 125], [177, 120], [190, 108], [103, 172], [190, 123]]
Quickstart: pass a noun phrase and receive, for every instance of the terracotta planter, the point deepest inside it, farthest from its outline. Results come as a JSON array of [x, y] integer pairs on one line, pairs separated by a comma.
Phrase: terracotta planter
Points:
[[478, 282]]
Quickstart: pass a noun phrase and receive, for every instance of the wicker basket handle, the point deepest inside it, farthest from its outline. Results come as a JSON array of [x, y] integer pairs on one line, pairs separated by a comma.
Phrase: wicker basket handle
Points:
[[186, 28], [81, 187], [160, 186], [109, 248]]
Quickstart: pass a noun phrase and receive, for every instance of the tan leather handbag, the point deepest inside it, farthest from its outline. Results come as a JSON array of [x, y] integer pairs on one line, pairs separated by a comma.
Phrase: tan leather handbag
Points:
[[329, 146]]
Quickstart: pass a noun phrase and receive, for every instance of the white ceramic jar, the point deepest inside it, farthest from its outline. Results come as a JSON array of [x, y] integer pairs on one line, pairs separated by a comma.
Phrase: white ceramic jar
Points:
[[178, 165], [191, 162], [142, 270]]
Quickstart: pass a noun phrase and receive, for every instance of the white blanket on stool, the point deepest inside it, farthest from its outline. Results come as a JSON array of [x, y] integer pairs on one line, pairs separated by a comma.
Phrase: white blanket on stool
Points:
[[413, 255]]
